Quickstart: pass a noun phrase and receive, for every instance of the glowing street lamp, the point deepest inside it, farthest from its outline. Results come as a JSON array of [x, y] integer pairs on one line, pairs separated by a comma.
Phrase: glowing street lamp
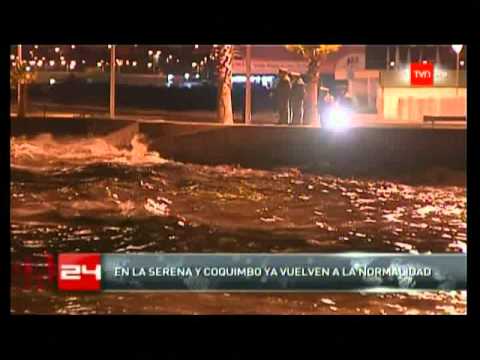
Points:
[[112, 81], [458, 50], [20, 102]]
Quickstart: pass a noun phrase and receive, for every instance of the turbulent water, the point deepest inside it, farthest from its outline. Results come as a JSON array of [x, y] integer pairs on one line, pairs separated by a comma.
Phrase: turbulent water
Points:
[[86, 195]]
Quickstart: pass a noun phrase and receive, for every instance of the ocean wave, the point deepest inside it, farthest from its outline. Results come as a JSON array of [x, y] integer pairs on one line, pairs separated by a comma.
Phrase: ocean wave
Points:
[[44, 152]]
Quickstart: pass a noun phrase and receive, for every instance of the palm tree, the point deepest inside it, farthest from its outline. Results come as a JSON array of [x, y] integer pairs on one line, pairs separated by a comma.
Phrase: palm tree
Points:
[[315, 54], [21, 77], [224, 57]]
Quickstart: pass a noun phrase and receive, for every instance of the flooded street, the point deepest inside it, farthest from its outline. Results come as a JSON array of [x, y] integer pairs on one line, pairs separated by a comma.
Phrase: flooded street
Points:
[[85, 195]]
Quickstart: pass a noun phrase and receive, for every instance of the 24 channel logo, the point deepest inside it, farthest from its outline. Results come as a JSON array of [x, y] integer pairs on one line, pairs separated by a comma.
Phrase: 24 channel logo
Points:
[[79, 272]]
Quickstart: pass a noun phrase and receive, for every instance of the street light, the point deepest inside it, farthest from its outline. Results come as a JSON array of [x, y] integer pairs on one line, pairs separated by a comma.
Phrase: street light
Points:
[[112, 81], [458, 50], [248, 85], [20, 87]]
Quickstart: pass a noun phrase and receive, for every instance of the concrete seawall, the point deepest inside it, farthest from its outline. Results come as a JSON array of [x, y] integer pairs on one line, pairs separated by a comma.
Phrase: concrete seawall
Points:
[[118, 132], [358, 150], [354, 151]]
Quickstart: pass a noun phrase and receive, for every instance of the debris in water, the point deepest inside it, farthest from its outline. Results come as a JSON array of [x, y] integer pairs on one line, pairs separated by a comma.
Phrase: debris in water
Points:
[[271, 219], [156, 208]]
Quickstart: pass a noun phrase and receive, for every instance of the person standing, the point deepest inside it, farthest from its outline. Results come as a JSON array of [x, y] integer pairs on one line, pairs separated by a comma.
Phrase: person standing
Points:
[[297, 99], [327, 102], [283, 97]]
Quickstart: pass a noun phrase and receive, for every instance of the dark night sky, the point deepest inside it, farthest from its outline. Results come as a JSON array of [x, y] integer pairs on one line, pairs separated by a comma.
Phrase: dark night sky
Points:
[[375, 56]]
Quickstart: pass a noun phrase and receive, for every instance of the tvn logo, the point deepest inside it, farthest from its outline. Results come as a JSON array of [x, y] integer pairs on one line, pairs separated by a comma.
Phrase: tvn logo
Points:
[[421, 74], [79, 272]]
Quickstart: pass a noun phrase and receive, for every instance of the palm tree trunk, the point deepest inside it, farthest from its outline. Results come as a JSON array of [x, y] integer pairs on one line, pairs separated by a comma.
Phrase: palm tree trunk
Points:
[[224, 72], [311, 99], [224, 102], [21, 111]]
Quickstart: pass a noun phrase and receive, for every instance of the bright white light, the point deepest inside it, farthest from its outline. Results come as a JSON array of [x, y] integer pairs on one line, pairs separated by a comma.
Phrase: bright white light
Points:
[[338, 119], [109, 46], [57, 49], [36, 46], [73, 46], [196, 46], [83, 61], [52, 81], [187, 76], [51, 62], [134, 63], [28, 68], [170, 77], [462, 62], [457, 48], [149, 65], [63, 62], [73, 63], [12, 57], [150, 52], [239, 78], [194, 64], [197, 76], [39, 63], [32, 62], [99, 64], [158, 53], [392, 63]]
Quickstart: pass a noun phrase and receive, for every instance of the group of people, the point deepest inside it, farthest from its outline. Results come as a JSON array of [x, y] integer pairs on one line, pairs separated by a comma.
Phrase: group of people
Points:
[[290, 98], [291, 91]]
